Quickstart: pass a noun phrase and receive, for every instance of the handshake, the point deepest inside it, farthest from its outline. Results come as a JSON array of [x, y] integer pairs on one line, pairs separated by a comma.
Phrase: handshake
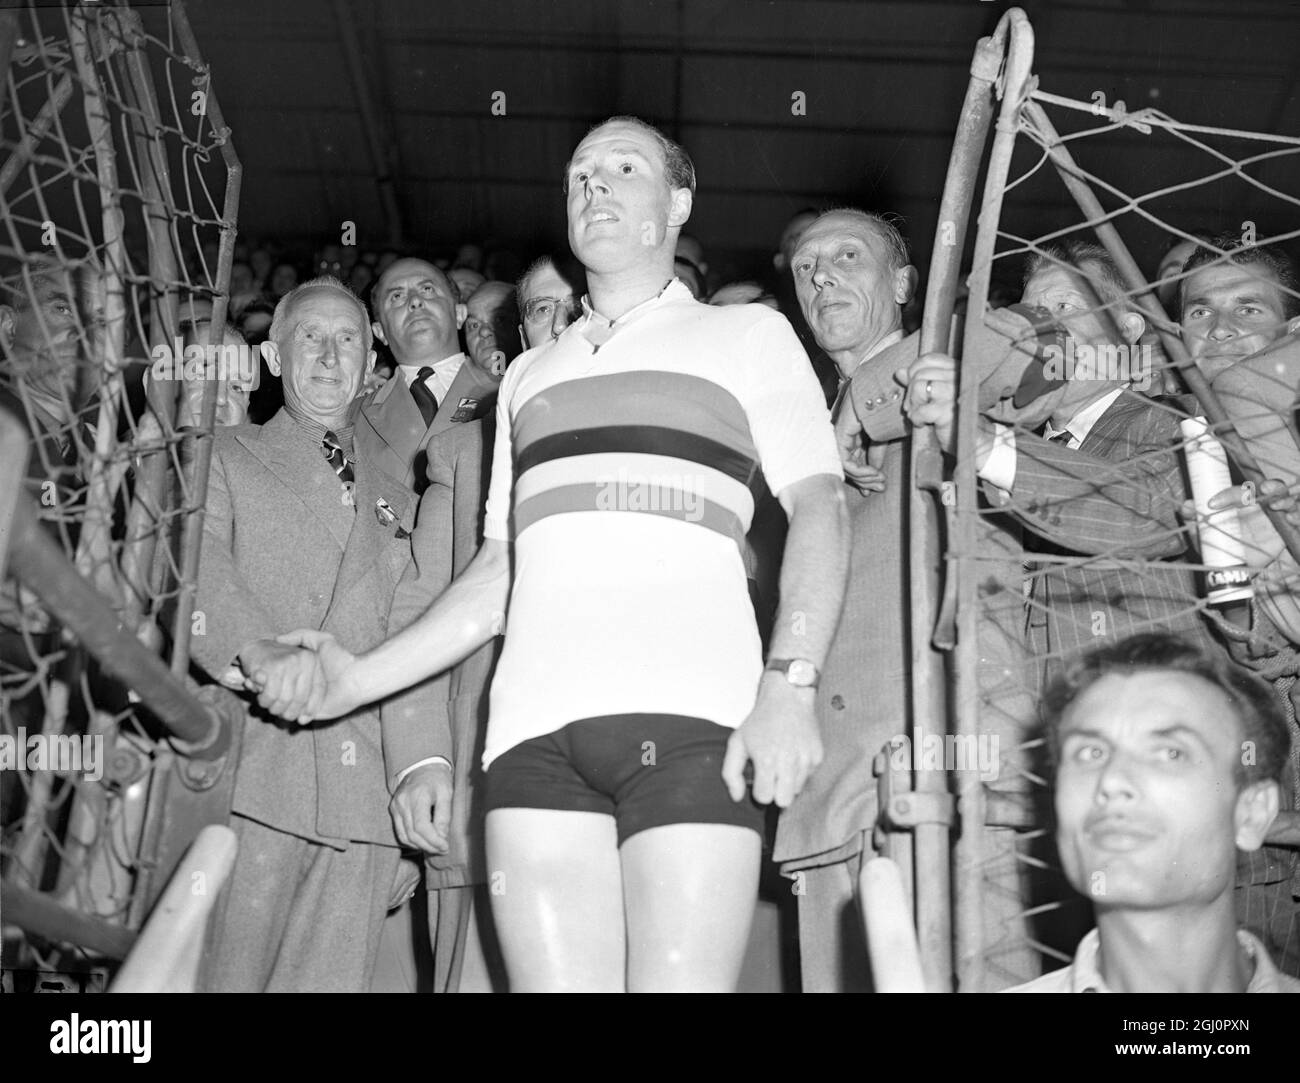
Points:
[[301, 676]]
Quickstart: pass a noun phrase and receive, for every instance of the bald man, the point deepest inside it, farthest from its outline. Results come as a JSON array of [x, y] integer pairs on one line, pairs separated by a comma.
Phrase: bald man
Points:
[[417, 314]]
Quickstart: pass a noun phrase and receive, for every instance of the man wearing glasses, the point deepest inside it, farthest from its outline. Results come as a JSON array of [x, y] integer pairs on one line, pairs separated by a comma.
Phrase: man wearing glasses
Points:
[[548, 301]]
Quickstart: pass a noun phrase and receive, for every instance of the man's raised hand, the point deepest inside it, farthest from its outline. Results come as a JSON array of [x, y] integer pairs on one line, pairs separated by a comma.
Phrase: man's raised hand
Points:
[[861, 460], [931, 382]]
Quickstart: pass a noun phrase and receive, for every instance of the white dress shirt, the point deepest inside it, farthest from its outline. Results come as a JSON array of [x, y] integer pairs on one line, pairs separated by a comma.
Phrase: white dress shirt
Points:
[[444, 372], [999, 468]]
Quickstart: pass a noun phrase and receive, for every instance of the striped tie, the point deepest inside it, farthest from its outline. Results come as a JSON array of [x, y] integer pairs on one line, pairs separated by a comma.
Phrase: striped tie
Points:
[[334, 454], [424, 398]]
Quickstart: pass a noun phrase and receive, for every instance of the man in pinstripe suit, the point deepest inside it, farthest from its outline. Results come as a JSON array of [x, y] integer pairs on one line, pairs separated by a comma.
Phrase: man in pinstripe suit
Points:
[[1100, 487]]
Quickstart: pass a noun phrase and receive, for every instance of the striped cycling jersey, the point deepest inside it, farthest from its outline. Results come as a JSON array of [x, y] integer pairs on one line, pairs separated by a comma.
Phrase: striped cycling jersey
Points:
[[627, 464]]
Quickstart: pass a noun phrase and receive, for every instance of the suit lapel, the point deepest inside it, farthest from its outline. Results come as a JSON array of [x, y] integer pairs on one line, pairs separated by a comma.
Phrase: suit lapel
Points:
[[1112, 427], [278, 446], [392, 413], [472, 388], [364, 548]]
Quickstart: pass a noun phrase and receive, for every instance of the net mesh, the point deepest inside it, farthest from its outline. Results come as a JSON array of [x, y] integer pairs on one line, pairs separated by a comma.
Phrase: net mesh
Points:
[[116, 202], [1086, 543]]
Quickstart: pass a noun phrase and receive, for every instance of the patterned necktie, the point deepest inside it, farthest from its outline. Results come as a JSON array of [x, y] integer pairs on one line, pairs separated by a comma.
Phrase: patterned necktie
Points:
[[334, 454], [424, 398]]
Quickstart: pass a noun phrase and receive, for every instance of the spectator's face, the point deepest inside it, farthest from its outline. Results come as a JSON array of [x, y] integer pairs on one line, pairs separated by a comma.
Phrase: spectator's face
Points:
[[321, 355], [260, 261], [241, 279], [43, 343], [547, 307], [489, 328], [255, 325], [416, 311], [469, 256], [620, 207], [1170, 265], [236, 373], [330, 261], [1072, 301], [1230, 312], [849, 296], [790, 237], [1147, 804], [360, 277], [283, 279], [466, 280]]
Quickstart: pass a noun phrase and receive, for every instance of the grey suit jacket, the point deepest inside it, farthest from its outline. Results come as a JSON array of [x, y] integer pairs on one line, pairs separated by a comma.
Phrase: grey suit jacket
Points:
[[861, 701], [390, 430], [282, 550], [447, 714]]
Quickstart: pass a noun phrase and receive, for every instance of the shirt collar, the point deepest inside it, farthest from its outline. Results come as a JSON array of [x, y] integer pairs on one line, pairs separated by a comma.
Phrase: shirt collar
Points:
[[447, 366], [1086, 978], [897, 335], [316, 431], [1081, 423], [674, 290]]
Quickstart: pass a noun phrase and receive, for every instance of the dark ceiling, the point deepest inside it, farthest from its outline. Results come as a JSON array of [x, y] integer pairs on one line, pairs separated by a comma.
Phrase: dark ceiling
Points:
[[883, 84]]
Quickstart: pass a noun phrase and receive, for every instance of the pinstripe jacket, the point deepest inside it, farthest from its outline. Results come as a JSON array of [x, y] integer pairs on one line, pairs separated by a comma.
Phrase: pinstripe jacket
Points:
[[1104, 517]]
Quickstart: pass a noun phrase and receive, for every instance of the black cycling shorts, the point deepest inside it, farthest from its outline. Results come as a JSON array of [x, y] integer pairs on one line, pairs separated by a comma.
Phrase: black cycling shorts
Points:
[[645, 770]]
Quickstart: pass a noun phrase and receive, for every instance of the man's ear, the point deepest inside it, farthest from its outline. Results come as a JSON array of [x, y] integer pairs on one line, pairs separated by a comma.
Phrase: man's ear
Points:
[[462, 311], [523, 339], [271, 355], [1131, 326], [778, 261], [1292, 325], [377, 329], [370, 361], [680, 208], [905, 281], [8, 322], [1254, 814]]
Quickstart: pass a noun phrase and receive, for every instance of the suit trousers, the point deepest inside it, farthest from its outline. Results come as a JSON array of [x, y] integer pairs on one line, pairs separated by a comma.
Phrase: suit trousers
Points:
[[832, 947], [298, 916]]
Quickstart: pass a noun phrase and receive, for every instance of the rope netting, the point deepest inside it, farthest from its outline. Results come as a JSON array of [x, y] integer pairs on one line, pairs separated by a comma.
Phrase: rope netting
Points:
[[117, 203], [1072, 543]]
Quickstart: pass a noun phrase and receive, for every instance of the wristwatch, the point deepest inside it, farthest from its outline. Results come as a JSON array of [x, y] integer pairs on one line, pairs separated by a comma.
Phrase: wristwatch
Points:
[[798, 671]]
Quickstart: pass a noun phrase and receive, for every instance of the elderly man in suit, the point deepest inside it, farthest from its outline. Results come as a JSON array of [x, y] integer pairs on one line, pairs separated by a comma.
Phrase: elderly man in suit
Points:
[[302, 531], [417, 314], [852, 277]]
